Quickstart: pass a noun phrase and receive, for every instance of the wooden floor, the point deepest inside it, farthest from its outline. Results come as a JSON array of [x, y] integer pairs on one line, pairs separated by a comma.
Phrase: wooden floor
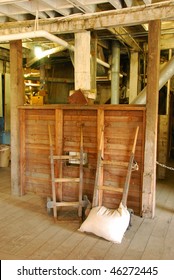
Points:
[[28, 232]]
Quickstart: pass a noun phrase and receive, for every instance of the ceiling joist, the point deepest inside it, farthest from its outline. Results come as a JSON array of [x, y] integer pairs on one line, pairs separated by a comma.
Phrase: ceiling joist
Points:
[[116, 4], [99, 20], [86, 8], [123, 36]]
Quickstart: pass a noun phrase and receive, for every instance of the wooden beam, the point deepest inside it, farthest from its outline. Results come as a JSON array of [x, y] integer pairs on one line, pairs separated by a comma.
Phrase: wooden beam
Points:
[[123, 36], [149, 177], [7, 102], [116, 4], [17, 99], [93, 62], [79, 4], [82, 61], [22, 151], [59, 150], [99, 20], [128, 3], [100, 148], [147, 2], [133, 84]]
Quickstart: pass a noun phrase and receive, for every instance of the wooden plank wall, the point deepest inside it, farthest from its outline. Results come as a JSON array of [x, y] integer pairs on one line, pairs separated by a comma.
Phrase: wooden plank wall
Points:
[[34, 145], [119, 123]]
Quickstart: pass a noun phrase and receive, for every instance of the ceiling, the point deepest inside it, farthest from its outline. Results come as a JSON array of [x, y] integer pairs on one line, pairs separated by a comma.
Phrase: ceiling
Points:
[[22, 10], [17, 13]]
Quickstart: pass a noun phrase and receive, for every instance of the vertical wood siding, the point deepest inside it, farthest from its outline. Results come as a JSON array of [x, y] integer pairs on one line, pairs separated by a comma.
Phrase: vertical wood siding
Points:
[[119, 124]]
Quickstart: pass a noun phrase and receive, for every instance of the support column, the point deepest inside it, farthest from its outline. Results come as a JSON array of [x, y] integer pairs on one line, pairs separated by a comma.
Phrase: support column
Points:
[[93, 62], [7, 103], [133, 85], [82, 61], [115, 73], [168, 87], [17, 98], [149, 177]]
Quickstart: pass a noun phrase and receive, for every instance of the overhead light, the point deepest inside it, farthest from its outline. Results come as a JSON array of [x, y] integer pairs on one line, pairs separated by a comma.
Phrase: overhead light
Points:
[[38, 51]]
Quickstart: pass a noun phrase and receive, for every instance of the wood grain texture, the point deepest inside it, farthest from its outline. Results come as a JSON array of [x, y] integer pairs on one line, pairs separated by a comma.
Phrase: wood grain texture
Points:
[[27, 232], [119, 122]]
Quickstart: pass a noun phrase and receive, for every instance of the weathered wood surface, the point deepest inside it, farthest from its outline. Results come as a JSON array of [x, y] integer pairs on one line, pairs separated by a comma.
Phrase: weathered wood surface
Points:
[[38, 237], [119, 122], [149, 177], [16, 99], [99, 20], [81, 61]]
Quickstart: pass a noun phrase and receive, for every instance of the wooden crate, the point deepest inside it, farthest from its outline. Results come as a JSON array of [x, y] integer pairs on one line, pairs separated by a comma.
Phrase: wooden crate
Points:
[[120, 122]]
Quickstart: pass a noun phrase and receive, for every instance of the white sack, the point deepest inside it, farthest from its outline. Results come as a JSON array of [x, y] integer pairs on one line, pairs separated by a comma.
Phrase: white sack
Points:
[[107, 223]]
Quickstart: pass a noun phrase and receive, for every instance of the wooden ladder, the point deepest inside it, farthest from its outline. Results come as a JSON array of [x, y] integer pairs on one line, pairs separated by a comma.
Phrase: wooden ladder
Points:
[[99, 187], [60, 180]]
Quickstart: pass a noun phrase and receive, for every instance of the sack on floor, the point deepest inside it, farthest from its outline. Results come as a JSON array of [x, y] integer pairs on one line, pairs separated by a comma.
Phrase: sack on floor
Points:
[[107, 223]]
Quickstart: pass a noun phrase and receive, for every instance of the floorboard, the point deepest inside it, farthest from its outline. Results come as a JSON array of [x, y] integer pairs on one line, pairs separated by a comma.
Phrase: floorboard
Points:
[[28, 232]]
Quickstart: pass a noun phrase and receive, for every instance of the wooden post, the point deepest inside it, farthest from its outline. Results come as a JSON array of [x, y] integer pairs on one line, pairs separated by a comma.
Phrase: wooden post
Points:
[[22, 151], [7, 102], [149, 177], [133, 86], [82, 61], [93, 62], [100, 134], [17, 98], [98, 195], [59, 149], [115, 73]]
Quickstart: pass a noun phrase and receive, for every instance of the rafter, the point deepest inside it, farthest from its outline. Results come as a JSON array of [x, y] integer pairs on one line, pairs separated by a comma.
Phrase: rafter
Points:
[[82, 6], [128, 3], [64, 10], [147, 2], [8, 10], [32, 8], [51, 14], [99, 20], [116, 4], [2, 2], [13, 12], [122, 35]]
